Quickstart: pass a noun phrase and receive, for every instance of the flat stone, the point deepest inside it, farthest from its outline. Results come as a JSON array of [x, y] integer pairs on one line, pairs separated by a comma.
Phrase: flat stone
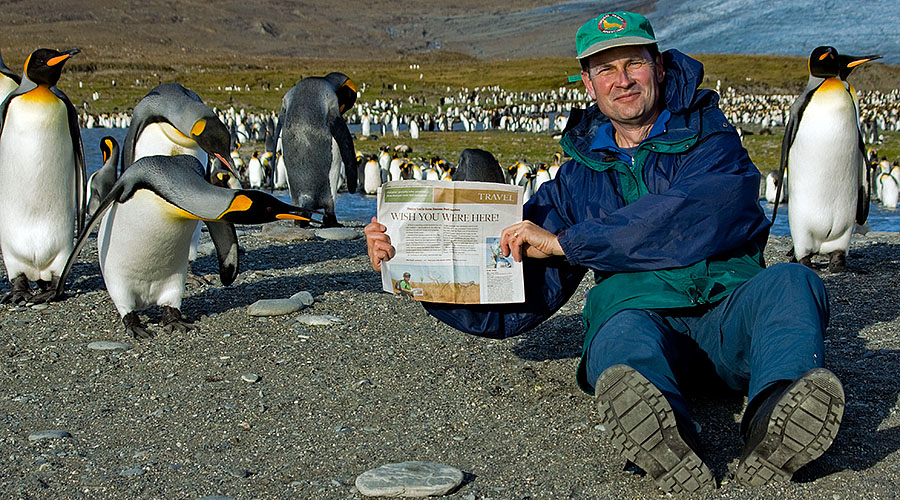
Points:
[[273, 307], [409, 479], [304, 298], [250, 378], [288, 233], [337, 233], [51, 434], [106, 345], [216, 497], [134, 471], [316, 320]]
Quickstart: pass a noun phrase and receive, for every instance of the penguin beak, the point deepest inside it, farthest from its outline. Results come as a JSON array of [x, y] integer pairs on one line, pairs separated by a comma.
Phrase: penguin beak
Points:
[[228, 165], [62, 58], [256, 207], [852, 62]]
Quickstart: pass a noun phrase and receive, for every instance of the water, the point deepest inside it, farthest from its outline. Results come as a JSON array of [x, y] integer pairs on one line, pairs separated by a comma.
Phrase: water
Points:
[[880, 218], [348, 207], [784, 28]]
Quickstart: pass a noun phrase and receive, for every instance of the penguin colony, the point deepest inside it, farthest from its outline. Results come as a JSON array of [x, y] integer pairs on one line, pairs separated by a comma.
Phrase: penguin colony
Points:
[[180, 156], [174, 171]]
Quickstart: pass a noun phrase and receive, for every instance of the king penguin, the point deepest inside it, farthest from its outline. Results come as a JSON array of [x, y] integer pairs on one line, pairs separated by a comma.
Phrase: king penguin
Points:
[[101, 181], [9, 81], [309, 123], [172, 120], [824, 151], [42, 198], [147, 220]]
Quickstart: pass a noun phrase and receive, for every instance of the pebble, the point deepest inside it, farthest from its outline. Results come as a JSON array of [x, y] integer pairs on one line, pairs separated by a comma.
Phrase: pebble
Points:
[[278, 232], [40, 307], [304, 298], [337, 233], [250, 378], [273, 307], [409, 479], [314, 320], [53, 434], [106, 345], [134, 471], [216, 497]]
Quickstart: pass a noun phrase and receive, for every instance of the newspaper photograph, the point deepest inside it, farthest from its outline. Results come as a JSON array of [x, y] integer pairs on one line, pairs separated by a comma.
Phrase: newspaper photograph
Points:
[[447, 241]]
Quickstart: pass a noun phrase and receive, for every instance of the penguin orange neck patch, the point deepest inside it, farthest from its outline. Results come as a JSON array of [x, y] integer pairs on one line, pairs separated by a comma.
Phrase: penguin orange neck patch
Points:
[[41, 94]]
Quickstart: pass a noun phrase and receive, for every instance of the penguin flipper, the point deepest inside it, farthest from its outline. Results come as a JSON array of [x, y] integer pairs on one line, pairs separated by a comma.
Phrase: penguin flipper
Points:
[[80, 169], [341, 134], [224, 237], [790, 132], [118, 189], [863, 195]]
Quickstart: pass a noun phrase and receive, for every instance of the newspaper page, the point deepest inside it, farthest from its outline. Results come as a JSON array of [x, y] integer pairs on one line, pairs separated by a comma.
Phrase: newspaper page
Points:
[[447, 241]]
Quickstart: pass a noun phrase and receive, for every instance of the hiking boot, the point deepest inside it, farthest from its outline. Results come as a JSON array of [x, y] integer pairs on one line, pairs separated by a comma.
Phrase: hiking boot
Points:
[[643, 427], [791, 428]]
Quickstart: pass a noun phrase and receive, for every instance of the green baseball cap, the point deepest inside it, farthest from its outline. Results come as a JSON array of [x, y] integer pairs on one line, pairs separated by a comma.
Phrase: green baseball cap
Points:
[[612, 29]]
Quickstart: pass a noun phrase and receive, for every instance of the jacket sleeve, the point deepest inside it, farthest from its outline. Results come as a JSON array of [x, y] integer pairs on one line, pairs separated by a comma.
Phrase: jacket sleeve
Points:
[[710, 206], [549, 283]]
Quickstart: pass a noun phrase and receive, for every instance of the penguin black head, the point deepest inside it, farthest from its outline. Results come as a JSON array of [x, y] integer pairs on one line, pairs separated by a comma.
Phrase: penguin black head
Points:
[[825, 62], [44, 66], [250, 206], [107, 145], [212, 136], [344, 88]]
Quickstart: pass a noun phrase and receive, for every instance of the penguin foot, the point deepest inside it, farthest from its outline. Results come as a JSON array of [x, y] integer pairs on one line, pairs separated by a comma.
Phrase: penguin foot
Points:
[[837, 261], [172, 320], [807, 261], [134, 327], [21, 292], [48, 291]]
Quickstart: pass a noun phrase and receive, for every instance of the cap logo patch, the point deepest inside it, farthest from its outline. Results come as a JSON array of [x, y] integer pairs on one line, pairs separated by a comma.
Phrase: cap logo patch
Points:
[[611, 23]]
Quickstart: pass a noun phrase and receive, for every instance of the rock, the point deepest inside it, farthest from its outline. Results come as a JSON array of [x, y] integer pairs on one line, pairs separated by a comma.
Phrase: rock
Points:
[[323, 320], [52, 434], [134, 471], [206, 248], [289, 233], [250, 378], [409, 479], [337, 233], [216, 497], [304, 298], [106, 345], [273, 307]]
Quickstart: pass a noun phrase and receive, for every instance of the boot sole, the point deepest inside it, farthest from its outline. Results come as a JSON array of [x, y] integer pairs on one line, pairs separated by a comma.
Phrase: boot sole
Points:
[[642, 427], [802, 426]]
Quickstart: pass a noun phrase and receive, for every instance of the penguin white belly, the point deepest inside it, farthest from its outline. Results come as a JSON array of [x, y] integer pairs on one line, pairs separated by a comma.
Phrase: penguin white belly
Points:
[[280, 173], [37, 189], [255, 173], [164, 139], [7, 86], [541, 177], [824, 162], [143, 247], [337, 169], [372, 177]]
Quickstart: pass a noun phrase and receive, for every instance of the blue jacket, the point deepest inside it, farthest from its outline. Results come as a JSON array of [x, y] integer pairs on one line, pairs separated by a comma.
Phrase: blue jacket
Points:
[[679, 227]]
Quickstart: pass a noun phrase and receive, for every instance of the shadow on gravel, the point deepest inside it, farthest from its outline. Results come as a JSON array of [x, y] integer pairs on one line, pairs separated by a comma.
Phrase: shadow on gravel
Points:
[[218, 299], [290, 255], [560, 337], [868, 299]]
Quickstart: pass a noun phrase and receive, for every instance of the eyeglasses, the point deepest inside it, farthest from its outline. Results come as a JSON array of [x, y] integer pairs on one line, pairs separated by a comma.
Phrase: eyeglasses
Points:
[[607, 72]]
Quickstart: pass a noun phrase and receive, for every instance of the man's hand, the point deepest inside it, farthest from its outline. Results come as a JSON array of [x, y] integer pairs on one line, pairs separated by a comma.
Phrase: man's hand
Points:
[[527, 238], [378, 244]]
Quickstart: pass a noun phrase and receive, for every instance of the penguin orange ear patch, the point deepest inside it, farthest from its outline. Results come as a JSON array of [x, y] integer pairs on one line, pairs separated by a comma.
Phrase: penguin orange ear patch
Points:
[[198, 127]]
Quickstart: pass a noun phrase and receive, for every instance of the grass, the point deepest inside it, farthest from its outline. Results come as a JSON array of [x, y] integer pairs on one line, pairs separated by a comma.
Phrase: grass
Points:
[[263, 82]]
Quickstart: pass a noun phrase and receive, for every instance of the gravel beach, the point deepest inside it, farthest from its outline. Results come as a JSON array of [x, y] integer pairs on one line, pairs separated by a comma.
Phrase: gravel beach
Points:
[[248, 407]]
